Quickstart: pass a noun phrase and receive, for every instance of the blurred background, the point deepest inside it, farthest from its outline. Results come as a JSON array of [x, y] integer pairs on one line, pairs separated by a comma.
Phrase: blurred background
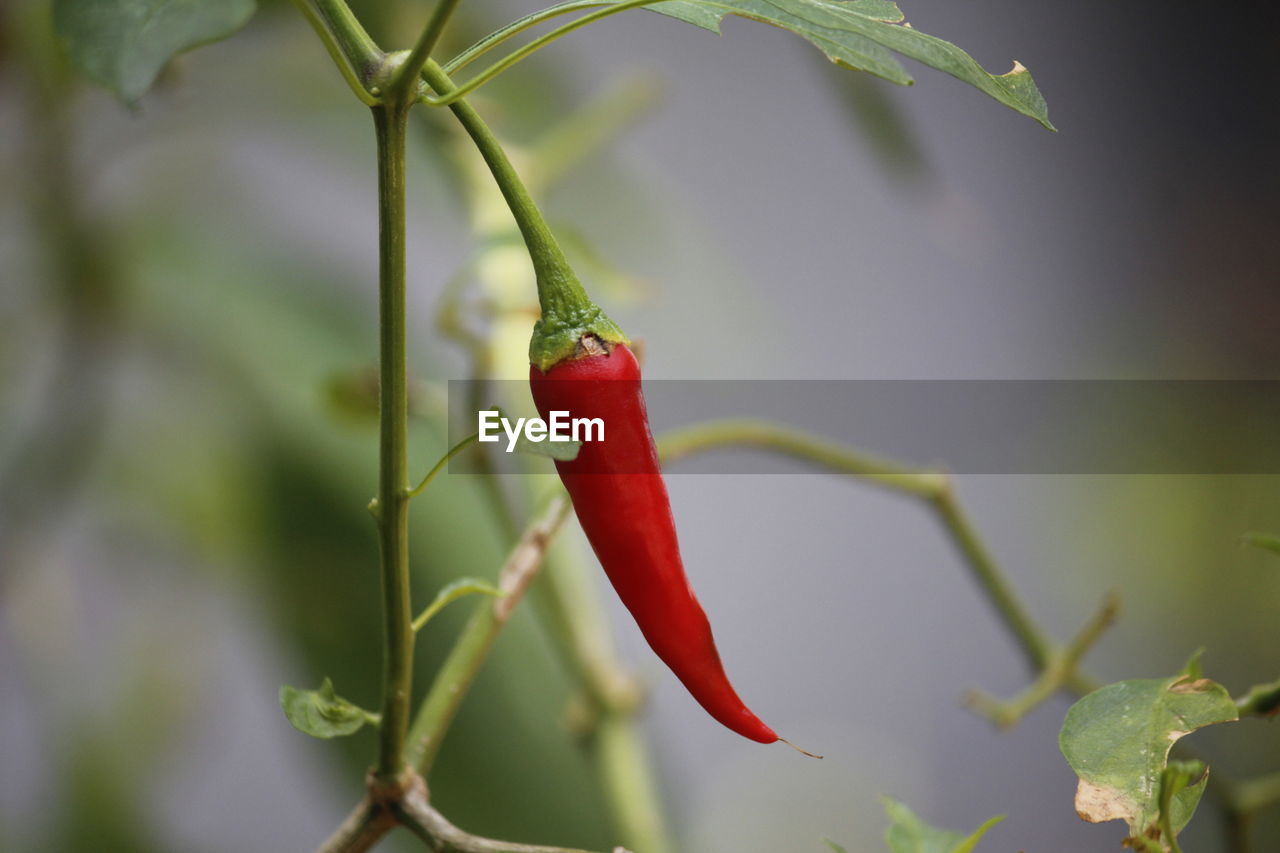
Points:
[[187, 322]]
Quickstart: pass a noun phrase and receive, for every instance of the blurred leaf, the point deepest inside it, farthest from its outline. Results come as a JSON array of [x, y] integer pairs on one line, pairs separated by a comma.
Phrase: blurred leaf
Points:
[[878, 119], [451, 593], [863, 35], [836, 848], [353, 395], [1262, 700], [1265, 541], [1117, 740], [606, 277], [323, 713], [908, 834], [123, 44]]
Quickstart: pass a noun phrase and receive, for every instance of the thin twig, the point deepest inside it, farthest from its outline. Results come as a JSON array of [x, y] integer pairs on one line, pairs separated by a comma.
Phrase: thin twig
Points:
[[406, 78], [933, 487], [416, 813], [348, 45], [459, 670], [363, 828], [1058, 674]]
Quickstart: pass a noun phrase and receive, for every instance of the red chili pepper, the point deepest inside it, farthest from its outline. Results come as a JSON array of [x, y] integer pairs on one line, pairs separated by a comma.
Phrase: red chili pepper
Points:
[[621, 500], [616, 485]]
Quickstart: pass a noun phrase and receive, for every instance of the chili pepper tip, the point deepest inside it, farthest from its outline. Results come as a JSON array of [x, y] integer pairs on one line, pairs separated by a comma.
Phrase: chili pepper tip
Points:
[[799, 750]]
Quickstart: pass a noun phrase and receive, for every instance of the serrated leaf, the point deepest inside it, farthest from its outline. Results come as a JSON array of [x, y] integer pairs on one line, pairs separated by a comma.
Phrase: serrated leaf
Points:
[[864, 35], [323, 713], [561, 451], [1117, 740], [123, 44], [1265, 541], [908, 834], [452, 592]]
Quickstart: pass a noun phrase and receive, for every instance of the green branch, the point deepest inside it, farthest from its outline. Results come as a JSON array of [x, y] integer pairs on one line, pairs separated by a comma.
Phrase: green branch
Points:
[[1059, 673], [444, 460], [393, 406], [350, 47], [452, 96], [362, 829], [416, 813], [460, 668], [405, 81], [502, 34], [933, 487]]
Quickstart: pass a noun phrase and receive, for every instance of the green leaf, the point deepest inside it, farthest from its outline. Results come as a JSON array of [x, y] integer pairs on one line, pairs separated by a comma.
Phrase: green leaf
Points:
[[562, 451], [835, 848], [864, 35], [322, 713], [1265, 541], [1176, 779], [123, 44], [451, 593], [1117, 740], [908, 834], [1192, 668]]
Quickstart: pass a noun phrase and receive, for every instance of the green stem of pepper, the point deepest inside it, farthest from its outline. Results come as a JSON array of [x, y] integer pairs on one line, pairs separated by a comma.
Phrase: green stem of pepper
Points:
[[567, 311]]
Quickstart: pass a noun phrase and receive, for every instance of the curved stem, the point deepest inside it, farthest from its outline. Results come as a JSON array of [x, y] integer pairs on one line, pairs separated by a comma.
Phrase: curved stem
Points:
[[498, 36], [460, 669], [444, 460], [628, 779], [347, 43], [393, 500], [362, 829], [568, 314], [544, 251], [934, 487], [418, 816], [407, 76], [445, 99]]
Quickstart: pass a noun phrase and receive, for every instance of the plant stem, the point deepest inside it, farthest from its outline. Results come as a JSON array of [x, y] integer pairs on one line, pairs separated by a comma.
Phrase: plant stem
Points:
[[1059, 673], [933, 487], [1035, 646], [350, 47], [537, 44], [407, 77], [502, 34], [459, 670], [393, 502], [415, 811], [362, 829], [544, 250], [444, 460], [712, 435], [629, 784], [568, 313]]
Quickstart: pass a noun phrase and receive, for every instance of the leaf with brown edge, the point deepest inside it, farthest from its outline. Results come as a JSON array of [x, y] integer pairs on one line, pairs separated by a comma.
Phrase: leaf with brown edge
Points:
[[1117, 740]]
